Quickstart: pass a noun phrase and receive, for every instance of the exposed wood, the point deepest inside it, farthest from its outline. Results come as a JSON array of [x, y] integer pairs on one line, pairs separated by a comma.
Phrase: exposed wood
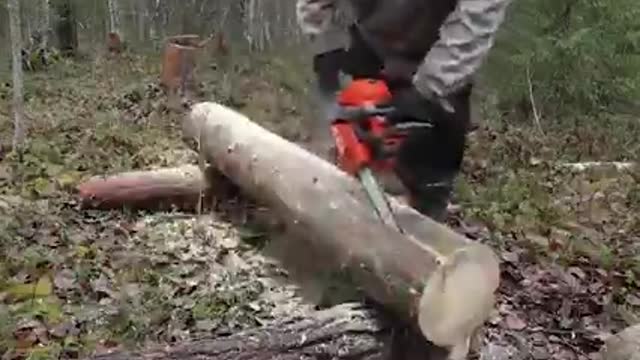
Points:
[[343, 332], [180, 188], [439, 280], [624, 345]]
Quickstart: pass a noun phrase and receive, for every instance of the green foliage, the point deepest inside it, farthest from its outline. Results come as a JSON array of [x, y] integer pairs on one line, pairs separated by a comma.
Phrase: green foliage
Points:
[[581, 56]]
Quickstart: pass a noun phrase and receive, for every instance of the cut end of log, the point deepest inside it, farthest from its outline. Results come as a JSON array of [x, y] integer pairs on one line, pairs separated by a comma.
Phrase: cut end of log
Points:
[[458, 297]]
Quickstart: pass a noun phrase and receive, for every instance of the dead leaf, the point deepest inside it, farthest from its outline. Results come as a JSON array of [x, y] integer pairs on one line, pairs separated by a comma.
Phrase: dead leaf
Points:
[[65, 280], [102, 287], [28, 333], [540, 353], [207, 325], [514, 322], [577, 272], [61, 330], [633, 300], [510, 256]]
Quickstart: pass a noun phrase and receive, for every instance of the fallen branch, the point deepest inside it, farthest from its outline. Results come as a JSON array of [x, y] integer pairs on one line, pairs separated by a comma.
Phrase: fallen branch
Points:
[[589, 165], [439, 281], [343, 332], [532, 100]]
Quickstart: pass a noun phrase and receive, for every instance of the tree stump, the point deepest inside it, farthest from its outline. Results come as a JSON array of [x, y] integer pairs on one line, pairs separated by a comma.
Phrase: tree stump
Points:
[[114, 43], [179, 63]]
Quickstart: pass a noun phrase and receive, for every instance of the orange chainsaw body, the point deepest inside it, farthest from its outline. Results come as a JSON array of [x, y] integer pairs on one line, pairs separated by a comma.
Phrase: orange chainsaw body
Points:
[[352, 153]]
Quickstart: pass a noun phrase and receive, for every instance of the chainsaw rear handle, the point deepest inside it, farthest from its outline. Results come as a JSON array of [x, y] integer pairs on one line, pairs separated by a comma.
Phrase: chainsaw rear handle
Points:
[[357, 113]]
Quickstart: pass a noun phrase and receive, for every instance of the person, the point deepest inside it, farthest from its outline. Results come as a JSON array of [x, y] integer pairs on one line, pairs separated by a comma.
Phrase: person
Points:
[[428, 52]]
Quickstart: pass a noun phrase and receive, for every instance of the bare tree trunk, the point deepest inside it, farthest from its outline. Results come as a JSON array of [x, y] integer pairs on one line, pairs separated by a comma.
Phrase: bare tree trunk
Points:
[[251, 33], [114, 19], [18, 77], [66, 26], [46, 23], [142, 15]]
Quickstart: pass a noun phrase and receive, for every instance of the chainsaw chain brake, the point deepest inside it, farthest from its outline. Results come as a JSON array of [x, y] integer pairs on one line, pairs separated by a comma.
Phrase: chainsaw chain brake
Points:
[[385, 145]]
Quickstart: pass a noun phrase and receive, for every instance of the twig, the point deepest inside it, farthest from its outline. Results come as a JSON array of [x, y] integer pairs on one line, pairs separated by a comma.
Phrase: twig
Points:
[[202, 166], [536, 116], [583, 166]]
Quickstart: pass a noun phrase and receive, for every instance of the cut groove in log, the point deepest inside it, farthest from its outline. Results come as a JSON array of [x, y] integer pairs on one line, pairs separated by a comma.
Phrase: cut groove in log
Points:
[[440, 281]]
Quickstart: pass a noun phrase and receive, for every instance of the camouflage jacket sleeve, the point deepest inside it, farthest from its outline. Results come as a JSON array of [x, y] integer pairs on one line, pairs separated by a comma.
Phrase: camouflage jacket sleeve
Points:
[[466, 37], [320, 21]]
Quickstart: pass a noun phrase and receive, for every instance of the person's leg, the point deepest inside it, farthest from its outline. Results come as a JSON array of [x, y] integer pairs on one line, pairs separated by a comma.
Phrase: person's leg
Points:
[[430, 159]]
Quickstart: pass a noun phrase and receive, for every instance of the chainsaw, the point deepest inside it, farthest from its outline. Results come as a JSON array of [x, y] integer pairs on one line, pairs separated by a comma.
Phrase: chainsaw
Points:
[[359, 123]]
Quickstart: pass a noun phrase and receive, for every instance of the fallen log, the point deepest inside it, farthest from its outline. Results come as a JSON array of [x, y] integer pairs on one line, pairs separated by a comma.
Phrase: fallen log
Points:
[[625, 345], [170, 188], [347, 331], [430, 276]]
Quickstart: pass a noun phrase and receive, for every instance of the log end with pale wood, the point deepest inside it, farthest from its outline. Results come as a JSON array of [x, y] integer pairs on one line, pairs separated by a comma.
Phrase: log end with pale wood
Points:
[[432, 276]]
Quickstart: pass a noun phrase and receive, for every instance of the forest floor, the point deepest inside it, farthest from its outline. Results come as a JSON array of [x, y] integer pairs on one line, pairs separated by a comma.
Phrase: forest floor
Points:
[[73, 282]]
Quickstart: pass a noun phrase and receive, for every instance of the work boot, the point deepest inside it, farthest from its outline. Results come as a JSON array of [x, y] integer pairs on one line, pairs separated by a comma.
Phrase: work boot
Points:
[[390, 182], [432, 200]]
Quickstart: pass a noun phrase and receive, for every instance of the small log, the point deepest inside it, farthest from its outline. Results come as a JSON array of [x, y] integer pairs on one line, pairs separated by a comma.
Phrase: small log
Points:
[[344, 332], [180, 188], [440, 281], [624, 345]]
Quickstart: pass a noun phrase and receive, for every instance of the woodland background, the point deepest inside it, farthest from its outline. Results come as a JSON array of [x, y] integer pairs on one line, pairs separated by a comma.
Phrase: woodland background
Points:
[[550, 179]]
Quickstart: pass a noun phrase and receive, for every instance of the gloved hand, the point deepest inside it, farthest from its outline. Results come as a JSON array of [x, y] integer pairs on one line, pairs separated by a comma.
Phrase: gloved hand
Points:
[[327, 68], [411, 106]]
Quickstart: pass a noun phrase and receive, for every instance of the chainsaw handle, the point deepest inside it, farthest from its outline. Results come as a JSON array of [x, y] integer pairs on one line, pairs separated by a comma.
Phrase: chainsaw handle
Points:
[[357, 113]]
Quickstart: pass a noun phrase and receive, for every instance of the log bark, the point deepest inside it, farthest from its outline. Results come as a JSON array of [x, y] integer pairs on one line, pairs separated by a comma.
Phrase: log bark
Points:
[[624, 345], [181, 188], [347, 331], [430, 276]]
